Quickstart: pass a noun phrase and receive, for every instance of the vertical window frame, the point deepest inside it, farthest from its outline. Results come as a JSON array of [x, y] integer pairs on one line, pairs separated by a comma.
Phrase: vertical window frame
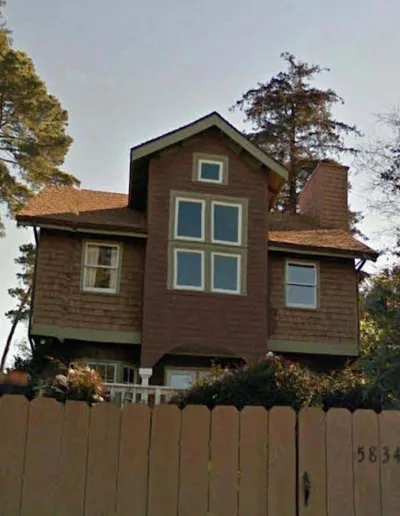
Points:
[[238, 290], [85, 266], [239, 243], [301, 263], [194, 200], [175, 285]]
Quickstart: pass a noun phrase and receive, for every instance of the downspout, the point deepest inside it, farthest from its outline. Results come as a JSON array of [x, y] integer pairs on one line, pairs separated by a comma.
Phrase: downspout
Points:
[[359, 266], [37, 239]]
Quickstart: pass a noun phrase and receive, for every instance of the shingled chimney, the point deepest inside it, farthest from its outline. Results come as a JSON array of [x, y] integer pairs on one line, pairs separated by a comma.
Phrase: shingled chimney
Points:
[[324, 196]]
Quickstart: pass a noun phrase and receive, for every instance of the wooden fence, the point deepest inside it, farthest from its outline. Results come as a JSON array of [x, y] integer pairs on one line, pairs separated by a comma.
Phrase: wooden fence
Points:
[[71, 460]]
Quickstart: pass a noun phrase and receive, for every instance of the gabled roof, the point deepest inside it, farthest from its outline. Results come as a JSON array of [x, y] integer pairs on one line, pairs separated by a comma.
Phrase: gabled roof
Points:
[[213, 119], [66, 207]]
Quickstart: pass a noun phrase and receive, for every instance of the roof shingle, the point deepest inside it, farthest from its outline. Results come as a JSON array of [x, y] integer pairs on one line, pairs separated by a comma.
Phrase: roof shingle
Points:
[[87, 208]]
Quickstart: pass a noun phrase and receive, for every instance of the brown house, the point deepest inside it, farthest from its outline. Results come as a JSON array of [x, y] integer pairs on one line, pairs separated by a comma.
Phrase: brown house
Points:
[[192, 265]]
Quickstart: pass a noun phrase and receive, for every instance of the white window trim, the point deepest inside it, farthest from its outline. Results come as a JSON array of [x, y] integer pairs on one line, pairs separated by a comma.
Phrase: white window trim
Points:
[[86, 265], [203, 205], [195, 372], [188, 287], [315, 285], [240, 222], [239, 273], [211, 162], [135, 372]]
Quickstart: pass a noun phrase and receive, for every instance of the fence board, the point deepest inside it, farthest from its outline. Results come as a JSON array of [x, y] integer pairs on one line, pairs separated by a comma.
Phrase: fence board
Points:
[[281, 462], [194, 461], [366, 463], [13, 428], [133, 460], [224, 461], [389, 432], [312, 463], [102, 460], [253, 461], [39, 494], [72, 478], [164, 461], [339, 457]]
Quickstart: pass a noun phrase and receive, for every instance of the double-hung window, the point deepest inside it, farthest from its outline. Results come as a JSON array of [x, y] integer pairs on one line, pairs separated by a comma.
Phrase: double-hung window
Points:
[[208, 244], [101, 264], [301, 284]]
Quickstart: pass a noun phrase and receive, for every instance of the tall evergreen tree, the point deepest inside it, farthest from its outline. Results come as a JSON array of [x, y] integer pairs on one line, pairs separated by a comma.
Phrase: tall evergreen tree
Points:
[[33, 138], [293, 122]]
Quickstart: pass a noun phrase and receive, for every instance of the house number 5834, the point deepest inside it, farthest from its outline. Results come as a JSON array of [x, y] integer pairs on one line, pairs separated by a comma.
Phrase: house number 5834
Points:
[[374, 453]]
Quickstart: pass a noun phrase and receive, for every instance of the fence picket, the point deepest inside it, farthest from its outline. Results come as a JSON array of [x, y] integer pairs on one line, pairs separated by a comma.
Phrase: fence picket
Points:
[[194, 461], [389, 433], [253, 461], [281, 462], [339, 458], [102, 460], [366, 459], [13, 429], [133, 460], [312, 463], [224, 461], [41, 482], [164, 461]]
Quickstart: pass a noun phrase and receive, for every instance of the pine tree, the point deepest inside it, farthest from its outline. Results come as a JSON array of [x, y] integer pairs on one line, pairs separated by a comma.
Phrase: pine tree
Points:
[[33, 138], [293, 122]]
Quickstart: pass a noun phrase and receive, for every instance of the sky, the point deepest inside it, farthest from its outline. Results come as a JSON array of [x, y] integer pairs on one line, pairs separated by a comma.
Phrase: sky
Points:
[[127, 71]]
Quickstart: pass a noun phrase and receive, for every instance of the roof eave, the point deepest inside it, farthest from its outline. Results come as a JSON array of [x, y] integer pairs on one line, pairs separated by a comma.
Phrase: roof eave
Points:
[[322, 251]]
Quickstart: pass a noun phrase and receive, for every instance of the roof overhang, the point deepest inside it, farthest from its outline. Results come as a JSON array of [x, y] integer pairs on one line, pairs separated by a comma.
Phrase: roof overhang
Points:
[[277, 173], [319, 251]]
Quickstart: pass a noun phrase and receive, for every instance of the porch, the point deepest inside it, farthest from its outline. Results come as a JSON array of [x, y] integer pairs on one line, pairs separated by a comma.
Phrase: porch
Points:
[[122, 393]]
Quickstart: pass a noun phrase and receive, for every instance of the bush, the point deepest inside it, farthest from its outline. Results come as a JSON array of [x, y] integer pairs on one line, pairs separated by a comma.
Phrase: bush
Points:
[[277, 381]]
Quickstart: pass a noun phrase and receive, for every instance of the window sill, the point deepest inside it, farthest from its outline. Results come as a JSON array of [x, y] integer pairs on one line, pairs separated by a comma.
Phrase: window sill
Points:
[[302, 308], [99, 291]]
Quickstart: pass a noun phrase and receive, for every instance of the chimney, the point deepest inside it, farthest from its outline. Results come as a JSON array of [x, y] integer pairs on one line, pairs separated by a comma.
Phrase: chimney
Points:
[[324, 196]]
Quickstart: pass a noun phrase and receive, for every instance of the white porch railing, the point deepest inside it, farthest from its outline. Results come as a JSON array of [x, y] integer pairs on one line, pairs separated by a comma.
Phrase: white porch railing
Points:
[[122, 393]]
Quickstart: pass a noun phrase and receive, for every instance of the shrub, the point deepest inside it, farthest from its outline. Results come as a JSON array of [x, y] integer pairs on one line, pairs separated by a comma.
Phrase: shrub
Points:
[[277, 381]]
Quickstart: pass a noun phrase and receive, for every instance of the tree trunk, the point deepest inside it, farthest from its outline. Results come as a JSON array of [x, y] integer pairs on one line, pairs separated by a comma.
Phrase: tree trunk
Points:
[[14, 327]]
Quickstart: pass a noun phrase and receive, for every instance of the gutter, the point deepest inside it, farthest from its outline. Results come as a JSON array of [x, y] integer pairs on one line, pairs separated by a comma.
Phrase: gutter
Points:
[[37, 240]]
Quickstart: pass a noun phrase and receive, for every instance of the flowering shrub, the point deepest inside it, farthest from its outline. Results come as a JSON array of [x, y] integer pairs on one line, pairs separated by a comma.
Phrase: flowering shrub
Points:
[[277, 381], [80, 383]]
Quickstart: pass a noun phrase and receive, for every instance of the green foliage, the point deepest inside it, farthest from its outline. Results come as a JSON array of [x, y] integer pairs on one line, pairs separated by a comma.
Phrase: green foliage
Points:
[[293, 122], [277, 381], [22, 293], [33, 139]]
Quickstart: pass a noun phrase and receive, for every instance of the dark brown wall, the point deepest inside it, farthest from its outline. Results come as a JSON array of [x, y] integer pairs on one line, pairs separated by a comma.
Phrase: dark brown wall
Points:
[[58, 299], [192, 321], [336, 318]]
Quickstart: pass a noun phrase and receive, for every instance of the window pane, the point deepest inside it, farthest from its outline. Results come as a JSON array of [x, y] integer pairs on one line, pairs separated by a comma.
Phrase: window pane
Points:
[[188, 269], [301, 274], [225, 272], [189, 223], [102, 255], [226, 223], [210, 171], [181, 380], [101, 278], [128, 375], [106, 371], [300, 295]]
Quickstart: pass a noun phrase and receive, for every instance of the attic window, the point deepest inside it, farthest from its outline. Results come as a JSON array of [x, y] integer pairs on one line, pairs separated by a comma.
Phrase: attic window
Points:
[[210, 171], [210, 168]]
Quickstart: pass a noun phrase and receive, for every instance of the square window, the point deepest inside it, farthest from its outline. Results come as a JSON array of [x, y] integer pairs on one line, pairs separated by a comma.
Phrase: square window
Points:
[[189, 269], [189, 219], [210, 171], [226, 273], [226, 223], [128, 374], [101, 264], [106, 371], [301, 285]]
